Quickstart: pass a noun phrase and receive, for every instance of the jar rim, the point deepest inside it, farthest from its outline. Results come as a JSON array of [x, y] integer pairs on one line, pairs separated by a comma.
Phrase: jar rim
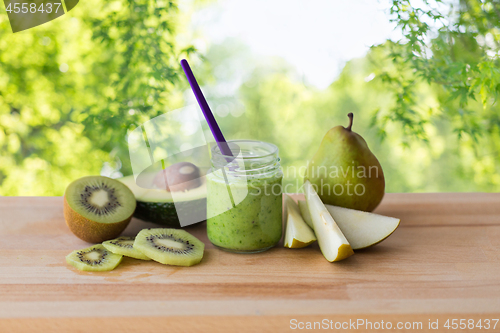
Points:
[[273, 149]]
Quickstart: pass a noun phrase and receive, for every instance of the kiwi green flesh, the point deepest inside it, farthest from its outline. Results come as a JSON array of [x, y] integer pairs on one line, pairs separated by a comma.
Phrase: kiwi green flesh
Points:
[[161, 195], [124, 246], [100, 199], [170, 246], [94, 259]]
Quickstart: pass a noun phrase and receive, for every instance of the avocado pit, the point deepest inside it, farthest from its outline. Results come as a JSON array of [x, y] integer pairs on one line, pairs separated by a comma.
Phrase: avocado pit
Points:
[[178, 177]]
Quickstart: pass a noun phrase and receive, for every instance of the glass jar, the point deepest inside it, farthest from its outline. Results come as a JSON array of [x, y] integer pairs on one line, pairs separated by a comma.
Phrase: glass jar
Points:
[[244, 197]]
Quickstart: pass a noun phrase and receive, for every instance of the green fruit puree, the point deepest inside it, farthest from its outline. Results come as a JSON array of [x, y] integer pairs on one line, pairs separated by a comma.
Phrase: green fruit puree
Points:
[[254, 224]]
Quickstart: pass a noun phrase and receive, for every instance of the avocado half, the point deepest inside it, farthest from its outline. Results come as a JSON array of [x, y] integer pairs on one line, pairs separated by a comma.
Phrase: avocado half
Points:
[[157, 205]]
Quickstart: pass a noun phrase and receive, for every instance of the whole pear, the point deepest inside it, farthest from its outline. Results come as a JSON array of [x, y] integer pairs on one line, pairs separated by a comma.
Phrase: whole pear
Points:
[[345, 172]]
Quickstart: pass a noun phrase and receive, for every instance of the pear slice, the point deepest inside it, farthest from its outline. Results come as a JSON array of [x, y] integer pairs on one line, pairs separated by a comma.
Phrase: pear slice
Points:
[[297, 233], [304, 211], [332, 241], [363, 229]]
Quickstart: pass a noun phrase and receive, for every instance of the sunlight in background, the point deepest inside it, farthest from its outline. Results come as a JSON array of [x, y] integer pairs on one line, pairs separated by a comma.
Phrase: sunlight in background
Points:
[[280, 71], [317, 42]]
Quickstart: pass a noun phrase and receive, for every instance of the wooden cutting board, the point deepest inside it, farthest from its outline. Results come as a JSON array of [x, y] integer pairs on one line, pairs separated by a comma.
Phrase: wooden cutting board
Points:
[[443, 262]]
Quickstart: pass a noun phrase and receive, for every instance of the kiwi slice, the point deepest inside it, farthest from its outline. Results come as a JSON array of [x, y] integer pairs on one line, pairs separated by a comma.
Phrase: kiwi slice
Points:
[[98, 208], [124, 246], [170, 246], [95, 258]]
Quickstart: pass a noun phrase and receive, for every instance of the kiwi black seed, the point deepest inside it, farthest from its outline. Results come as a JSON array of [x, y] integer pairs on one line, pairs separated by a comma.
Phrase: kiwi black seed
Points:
[[124, 246], [98, 208], [170, 246], [95, 258], [108, 208]]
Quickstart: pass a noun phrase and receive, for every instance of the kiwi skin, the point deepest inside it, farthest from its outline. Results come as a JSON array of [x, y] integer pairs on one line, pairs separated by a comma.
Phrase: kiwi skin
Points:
[[91, 231]]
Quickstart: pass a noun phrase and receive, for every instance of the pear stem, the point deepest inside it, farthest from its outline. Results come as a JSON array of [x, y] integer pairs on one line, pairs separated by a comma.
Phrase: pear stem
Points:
[[351, 116]]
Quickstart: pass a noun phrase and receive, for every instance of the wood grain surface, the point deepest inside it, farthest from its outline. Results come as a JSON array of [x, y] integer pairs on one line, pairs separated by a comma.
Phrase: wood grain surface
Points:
[[443, 262]]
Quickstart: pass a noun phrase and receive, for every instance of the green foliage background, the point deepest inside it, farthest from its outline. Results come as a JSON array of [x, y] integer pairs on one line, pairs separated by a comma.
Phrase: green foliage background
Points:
[[70, 90]]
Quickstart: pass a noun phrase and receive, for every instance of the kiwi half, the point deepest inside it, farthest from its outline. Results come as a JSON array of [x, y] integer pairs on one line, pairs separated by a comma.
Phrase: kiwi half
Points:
[[98, 208], [124, 246], [95, 258], [170, 246]]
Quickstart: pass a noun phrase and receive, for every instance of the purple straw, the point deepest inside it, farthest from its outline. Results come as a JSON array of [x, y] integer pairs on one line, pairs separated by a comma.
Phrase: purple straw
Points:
[[212, 123]]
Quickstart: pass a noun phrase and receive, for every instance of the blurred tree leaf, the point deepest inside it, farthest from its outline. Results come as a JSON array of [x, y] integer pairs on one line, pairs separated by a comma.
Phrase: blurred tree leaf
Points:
[[454, 47], [70, 90]]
